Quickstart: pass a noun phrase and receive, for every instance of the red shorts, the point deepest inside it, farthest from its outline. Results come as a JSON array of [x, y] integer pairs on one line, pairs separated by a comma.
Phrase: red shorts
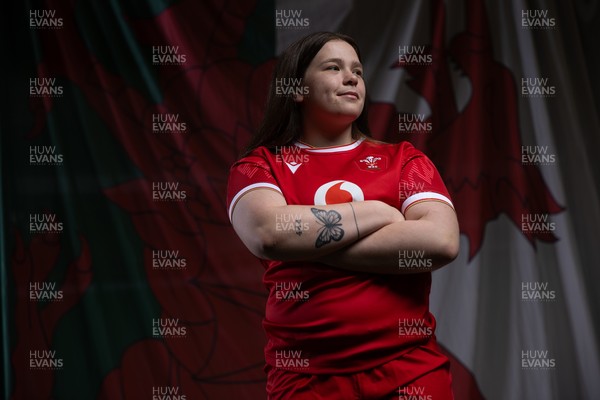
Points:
[[386, 382]]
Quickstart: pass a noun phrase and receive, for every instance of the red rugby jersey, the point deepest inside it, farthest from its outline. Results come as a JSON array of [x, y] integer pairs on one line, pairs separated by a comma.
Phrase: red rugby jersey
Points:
[[321, 319]]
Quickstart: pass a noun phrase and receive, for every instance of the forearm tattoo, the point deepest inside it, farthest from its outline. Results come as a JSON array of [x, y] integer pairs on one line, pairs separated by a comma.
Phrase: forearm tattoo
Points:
[[355, 221], [298, 227], [331, 228]]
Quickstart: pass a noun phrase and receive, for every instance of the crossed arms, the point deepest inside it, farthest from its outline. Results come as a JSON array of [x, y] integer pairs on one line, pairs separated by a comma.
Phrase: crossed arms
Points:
[[366, 236]]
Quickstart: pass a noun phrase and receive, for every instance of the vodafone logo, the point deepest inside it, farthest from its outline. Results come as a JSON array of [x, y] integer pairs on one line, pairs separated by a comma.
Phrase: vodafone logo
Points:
[[336, 192]]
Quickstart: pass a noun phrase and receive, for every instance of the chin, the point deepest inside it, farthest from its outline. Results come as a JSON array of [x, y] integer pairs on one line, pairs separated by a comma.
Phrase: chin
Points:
[[354, 114]]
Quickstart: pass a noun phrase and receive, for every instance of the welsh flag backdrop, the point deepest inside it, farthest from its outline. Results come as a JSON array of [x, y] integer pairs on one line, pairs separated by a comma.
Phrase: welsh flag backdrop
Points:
[[121, 277]]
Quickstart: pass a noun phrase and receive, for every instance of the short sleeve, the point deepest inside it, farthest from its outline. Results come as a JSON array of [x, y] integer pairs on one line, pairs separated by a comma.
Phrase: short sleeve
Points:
[[420, 181], [248, 174]]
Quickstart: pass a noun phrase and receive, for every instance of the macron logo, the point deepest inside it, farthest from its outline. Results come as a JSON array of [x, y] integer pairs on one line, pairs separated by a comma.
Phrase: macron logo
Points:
[[293, 166]]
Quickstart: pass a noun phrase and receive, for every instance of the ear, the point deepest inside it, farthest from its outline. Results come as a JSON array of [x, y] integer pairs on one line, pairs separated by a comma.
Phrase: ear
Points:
[[298, 98]]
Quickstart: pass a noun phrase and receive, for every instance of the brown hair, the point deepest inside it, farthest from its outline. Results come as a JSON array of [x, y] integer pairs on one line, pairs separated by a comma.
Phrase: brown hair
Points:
[[282, 123]]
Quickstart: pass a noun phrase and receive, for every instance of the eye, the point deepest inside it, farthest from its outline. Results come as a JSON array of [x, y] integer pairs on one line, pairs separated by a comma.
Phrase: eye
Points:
[[333, 68], [359, 72]]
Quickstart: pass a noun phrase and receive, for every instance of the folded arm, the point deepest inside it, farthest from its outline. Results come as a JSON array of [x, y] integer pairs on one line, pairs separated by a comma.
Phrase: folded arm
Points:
[[428, 239], [273, 230]]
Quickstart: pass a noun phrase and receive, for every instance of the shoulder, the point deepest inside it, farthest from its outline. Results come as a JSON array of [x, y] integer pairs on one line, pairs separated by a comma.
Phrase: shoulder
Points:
[[260, 157]]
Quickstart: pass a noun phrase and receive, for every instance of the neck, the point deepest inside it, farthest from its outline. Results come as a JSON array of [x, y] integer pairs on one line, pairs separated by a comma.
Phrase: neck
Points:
[[317, 137]]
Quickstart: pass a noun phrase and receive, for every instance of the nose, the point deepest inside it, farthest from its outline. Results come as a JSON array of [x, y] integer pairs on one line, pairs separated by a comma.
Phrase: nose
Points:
[[350, 78]]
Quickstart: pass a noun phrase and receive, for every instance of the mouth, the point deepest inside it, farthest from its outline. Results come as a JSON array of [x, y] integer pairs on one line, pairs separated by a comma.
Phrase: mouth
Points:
[[350, 94]]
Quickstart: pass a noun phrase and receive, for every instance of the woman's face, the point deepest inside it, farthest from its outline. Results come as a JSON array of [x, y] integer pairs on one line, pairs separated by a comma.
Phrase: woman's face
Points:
[[336, 90]]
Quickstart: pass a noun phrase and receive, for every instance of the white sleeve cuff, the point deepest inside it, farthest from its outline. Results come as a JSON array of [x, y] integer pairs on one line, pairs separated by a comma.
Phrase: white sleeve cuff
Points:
[[246, 190], [424, 196]]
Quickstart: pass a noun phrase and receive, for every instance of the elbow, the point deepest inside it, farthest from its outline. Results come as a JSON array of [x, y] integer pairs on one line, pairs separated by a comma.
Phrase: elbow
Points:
[[452, 249], [267, 250], [449, 248], [259, 236], [263, 244]]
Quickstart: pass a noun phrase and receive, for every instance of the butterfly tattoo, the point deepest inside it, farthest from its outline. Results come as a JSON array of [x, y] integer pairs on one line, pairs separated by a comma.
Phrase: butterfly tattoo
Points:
[[331, 229]]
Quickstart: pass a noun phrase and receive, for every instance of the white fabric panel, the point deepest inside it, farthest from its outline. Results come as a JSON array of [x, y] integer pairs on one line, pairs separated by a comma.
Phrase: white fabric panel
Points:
[[481, 316]]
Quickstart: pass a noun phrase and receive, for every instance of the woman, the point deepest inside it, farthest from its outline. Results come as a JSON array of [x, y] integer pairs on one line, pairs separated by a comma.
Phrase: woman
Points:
[[349, 230]]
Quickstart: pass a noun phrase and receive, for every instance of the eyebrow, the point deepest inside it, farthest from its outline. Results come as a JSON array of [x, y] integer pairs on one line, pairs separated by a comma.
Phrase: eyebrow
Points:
[[339, 60]]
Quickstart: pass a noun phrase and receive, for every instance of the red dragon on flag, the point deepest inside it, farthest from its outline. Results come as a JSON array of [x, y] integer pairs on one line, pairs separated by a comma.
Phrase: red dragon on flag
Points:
[[219, 297], [477, 149]]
